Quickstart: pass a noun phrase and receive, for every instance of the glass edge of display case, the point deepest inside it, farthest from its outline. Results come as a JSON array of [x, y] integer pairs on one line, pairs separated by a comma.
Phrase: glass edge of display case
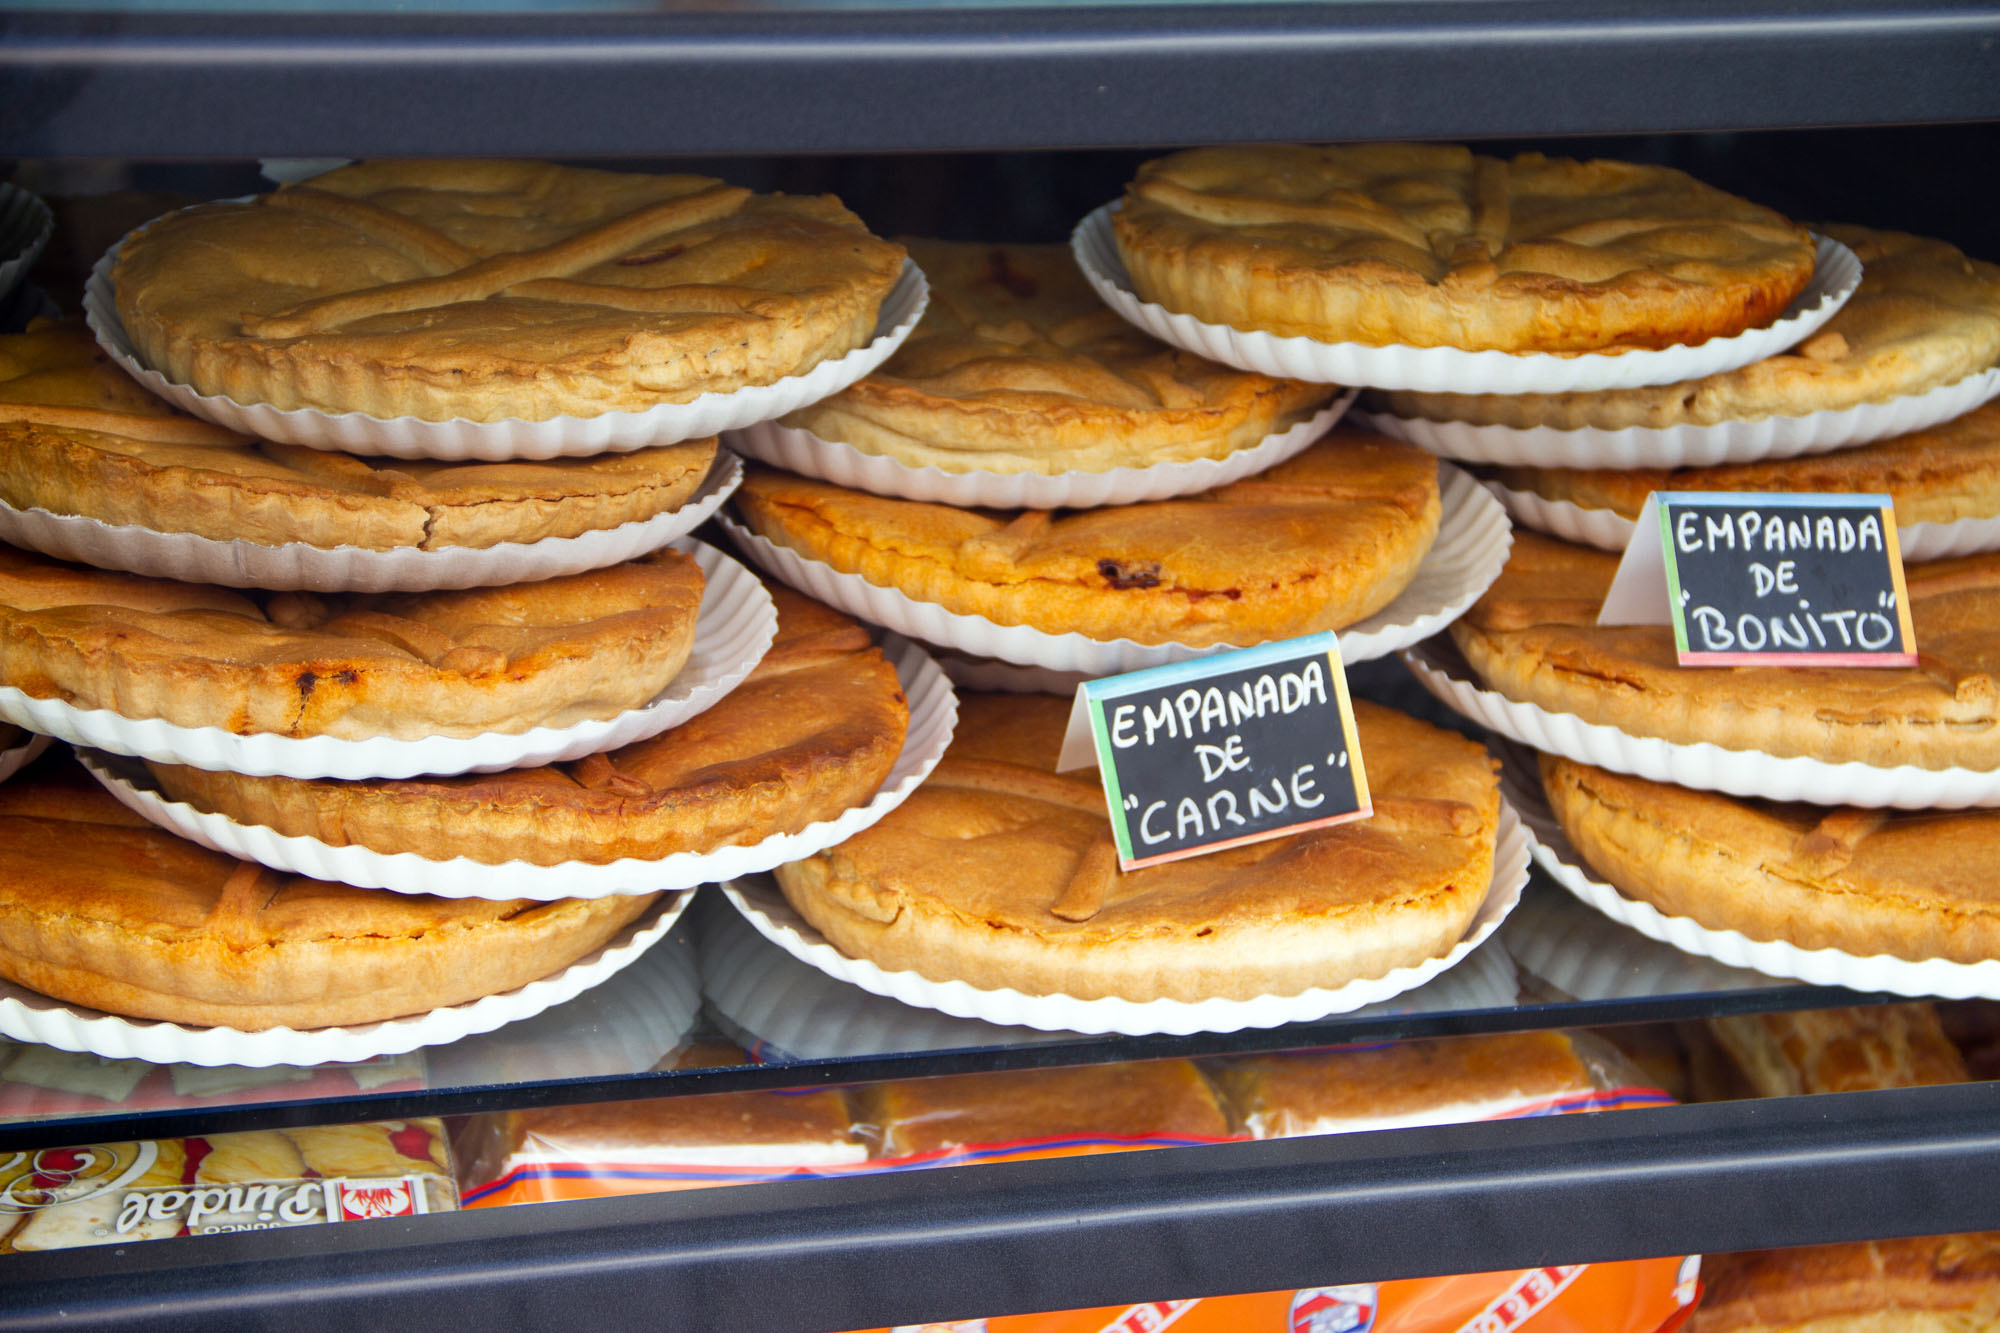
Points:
[[1094, 1230], [67, 1130], [231, 84]]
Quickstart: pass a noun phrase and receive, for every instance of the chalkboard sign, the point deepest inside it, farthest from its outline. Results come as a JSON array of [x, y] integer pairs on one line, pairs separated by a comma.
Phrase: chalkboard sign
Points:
[[1222, 750], [1781, 579]]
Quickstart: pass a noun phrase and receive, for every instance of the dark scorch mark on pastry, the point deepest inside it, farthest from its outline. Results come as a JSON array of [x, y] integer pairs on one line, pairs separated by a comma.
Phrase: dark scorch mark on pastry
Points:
[[652, 256], [1021, 286], [1123, 577]]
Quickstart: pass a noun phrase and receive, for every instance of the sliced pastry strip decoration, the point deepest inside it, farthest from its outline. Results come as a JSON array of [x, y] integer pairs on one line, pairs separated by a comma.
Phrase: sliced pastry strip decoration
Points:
[[812, 732], [100, 909], [1018, 367], [1533, 638], [1429, 246], [1945, 475], [489, 290], [1316, 543], [442, 664], [1924, 316], [78, 437], [1001, 873], [1911, 885]]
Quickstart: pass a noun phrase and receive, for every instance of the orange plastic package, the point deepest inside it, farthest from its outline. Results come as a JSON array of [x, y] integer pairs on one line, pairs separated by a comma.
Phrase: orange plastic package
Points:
[[1378, 1087]]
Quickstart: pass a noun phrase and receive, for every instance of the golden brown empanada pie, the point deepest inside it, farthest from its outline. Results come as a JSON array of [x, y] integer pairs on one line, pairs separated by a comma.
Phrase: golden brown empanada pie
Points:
[[1016, 366], [485, 290], [1001, 872], [1427, 245], [1316, 543]]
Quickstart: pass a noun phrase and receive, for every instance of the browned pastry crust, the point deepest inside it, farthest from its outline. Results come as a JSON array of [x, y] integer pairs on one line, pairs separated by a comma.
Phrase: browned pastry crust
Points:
[[456, 663], [1316, 543], [1939, 475], [1923, 316], [78, 436], [1000, 872], [487, 290], [99, 908], [1865, 882], [1325, 1092], [1426, 245], [1133, 1099], [1840, 1050], [1018, 367], [812, 732], [1534, 638], [1936, 1284]]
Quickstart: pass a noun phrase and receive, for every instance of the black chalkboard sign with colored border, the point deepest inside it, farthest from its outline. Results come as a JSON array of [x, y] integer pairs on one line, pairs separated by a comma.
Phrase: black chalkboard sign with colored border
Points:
[[1752, 579], [1223, 750]]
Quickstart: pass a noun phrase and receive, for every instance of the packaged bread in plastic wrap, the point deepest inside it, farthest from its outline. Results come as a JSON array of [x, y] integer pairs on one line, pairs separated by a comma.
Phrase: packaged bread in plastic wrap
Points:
[[973, 1117], [664, 1143], [115, 1193], [1934, 1284]]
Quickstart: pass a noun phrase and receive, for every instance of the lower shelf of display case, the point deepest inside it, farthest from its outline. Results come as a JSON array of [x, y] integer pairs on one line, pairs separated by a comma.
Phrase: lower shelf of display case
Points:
[[1554, 963], [888, 1249]]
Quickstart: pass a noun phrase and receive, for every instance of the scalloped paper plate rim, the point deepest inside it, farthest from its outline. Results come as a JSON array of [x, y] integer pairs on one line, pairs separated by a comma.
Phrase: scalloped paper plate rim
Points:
[[28, 1016], [1472, 542], [765, 907], [1746, 773], [933, 717], [1611, 531], [738, 612], [1836, 273], [1746, 441], [20, 756], [515, 438], [31, 225], [295, 565], [1935, 977], [798, 450]]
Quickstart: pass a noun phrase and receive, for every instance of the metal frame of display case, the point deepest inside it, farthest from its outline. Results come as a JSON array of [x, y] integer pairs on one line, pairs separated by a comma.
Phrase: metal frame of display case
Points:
[[1242, 1217], [868, 1250], [970, 77]]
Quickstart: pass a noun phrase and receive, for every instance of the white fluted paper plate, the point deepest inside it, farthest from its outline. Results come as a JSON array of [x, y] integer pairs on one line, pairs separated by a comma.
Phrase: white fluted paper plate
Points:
[[933, 715], [501, 441], [736, 623], [1881, 973], [1472, 542], [988, 675], [25, 227], [802, 451], [26, 1015], [789, 1011], [295, 565], [1836, 273], [1689, 445], [1611, 531], [15, 758], [760, 900], [1705, 765]]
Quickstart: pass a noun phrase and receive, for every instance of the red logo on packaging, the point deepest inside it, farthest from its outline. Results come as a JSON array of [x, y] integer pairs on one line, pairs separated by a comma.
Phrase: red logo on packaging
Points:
[[1531, 1293], [386, 1198], [1147, 1318], [1334, 1309]]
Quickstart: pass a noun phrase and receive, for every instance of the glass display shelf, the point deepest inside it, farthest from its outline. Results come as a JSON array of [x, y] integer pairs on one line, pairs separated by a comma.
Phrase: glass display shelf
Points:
[[1555, 963], [771, 78]]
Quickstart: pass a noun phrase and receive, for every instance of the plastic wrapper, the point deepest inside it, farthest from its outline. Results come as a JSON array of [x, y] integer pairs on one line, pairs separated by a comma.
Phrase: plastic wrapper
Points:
[[1359, 1088], [117, 1193], [665, 1143], [40, 1081]]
